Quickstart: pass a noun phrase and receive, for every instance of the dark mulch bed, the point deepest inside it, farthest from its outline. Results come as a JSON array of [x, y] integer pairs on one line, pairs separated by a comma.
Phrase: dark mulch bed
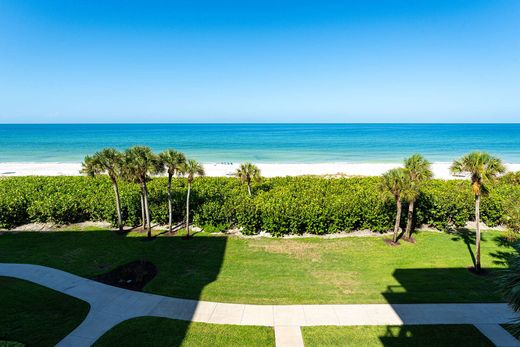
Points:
[[410, 240], [482, 272], [133, 276], [389, 242]]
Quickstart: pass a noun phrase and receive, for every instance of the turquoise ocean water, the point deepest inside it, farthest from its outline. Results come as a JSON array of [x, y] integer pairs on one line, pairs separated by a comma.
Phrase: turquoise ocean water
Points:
[[263, 143]]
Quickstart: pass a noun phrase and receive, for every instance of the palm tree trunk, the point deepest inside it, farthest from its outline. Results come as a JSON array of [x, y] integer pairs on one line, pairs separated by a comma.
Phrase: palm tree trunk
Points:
[[143, 212], [147, 210], [477, 221], [409, 220], [118, 205], [249, 188], [170, 208], [397, 219], [188, 210]]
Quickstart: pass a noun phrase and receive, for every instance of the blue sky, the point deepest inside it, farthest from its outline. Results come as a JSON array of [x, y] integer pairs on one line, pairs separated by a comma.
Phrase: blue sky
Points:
[[259, 61]]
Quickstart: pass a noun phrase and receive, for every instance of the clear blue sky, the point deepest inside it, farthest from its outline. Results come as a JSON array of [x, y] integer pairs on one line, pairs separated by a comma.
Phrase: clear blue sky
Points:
[[259, 61]]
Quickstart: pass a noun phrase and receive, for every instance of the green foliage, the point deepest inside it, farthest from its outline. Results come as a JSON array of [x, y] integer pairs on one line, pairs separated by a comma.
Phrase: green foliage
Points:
[[13, 203], [512, 177], [510, 204], [444, 204], [248, 216], [288, 205]]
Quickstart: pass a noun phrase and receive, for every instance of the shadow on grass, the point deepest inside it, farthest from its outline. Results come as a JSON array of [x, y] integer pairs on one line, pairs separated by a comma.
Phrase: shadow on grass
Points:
[[435, 283], [468, 237], [436, 335], [441, 285], [434, 286], [184, 267]]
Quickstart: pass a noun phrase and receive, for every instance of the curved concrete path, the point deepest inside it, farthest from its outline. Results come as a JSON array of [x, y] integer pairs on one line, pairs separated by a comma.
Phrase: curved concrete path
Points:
[[110, 306]]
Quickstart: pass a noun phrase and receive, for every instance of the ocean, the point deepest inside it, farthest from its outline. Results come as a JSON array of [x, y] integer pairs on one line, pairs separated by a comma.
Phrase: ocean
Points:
[[263, 143]]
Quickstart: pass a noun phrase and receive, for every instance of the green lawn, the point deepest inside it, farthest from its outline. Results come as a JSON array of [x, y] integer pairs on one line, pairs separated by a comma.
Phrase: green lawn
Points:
[[35, 315], [276, 271], [402, 336], [154, 331]]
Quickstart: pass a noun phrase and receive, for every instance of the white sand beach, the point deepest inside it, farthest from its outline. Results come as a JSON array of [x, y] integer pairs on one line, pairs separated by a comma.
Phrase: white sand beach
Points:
[[440, 170]]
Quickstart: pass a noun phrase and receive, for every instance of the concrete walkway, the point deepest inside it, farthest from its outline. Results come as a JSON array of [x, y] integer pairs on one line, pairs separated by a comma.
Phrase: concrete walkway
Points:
[[110, 306]]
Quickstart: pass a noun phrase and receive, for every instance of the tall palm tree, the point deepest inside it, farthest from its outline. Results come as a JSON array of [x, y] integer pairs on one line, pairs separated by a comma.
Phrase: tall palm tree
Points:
[[139, 163], [248, 172], [107, 161], [190, 169], [418, 170], [483, 168], [395, 182], [173, 162]]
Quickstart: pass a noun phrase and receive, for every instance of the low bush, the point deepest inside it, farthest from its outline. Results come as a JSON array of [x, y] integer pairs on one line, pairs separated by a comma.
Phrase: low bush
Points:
[[279, 205]]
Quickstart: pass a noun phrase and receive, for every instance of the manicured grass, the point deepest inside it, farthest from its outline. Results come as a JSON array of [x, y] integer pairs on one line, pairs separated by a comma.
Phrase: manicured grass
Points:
[[409, 335], [153, 331], [35, 315], [277, 271]]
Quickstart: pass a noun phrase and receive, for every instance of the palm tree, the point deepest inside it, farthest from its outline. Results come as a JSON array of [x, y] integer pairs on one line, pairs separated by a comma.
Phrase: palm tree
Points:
[[509, 286], [248, 172], [173, 162], [190, 169], [482, 168], [418, 170], [139, 163], [395, 181], [107, 161]]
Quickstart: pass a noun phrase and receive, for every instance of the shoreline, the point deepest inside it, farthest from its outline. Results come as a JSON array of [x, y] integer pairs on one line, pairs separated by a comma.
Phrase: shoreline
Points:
[[440, 169]]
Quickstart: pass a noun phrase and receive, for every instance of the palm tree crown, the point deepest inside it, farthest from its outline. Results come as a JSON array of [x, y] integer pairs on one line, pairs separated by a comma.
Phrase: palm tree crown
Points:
[[418, 171], [172, 160], [418, 168], [108, 161], [482, 167], [394, 181], [139, 162], [191, 168], [248, 172]]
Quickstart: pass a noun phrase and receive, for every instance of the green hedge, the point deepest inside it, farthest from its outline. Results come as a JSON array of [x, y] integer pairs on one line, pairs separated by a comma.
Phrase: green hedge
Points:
[[279, 205]]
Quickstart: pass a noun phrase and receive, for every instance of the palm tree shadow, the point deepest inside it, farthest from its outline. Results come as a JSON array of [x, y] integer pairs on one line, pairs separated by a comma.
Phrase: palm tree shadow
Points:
[[504, 257], [175, 230], [468, 237]]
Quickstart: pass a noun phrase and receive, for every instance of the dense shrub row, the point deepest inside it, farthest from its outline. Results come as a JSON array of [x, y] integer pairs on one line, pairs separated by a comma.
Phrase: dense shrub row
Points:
[[278, 205]]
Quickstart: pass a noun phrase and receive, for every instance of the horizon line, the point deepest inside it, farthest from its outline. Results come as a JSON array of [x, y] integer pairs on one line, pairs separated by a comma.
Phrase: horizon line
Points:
[[258, 123]]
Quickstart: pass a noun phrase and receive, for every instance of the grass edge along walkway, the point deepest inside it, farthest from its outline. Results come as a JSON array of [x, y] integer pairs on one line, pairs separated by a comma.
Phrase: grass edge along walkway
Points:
[[159, 331], [111, 306], [35, 315], [402, 336]]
